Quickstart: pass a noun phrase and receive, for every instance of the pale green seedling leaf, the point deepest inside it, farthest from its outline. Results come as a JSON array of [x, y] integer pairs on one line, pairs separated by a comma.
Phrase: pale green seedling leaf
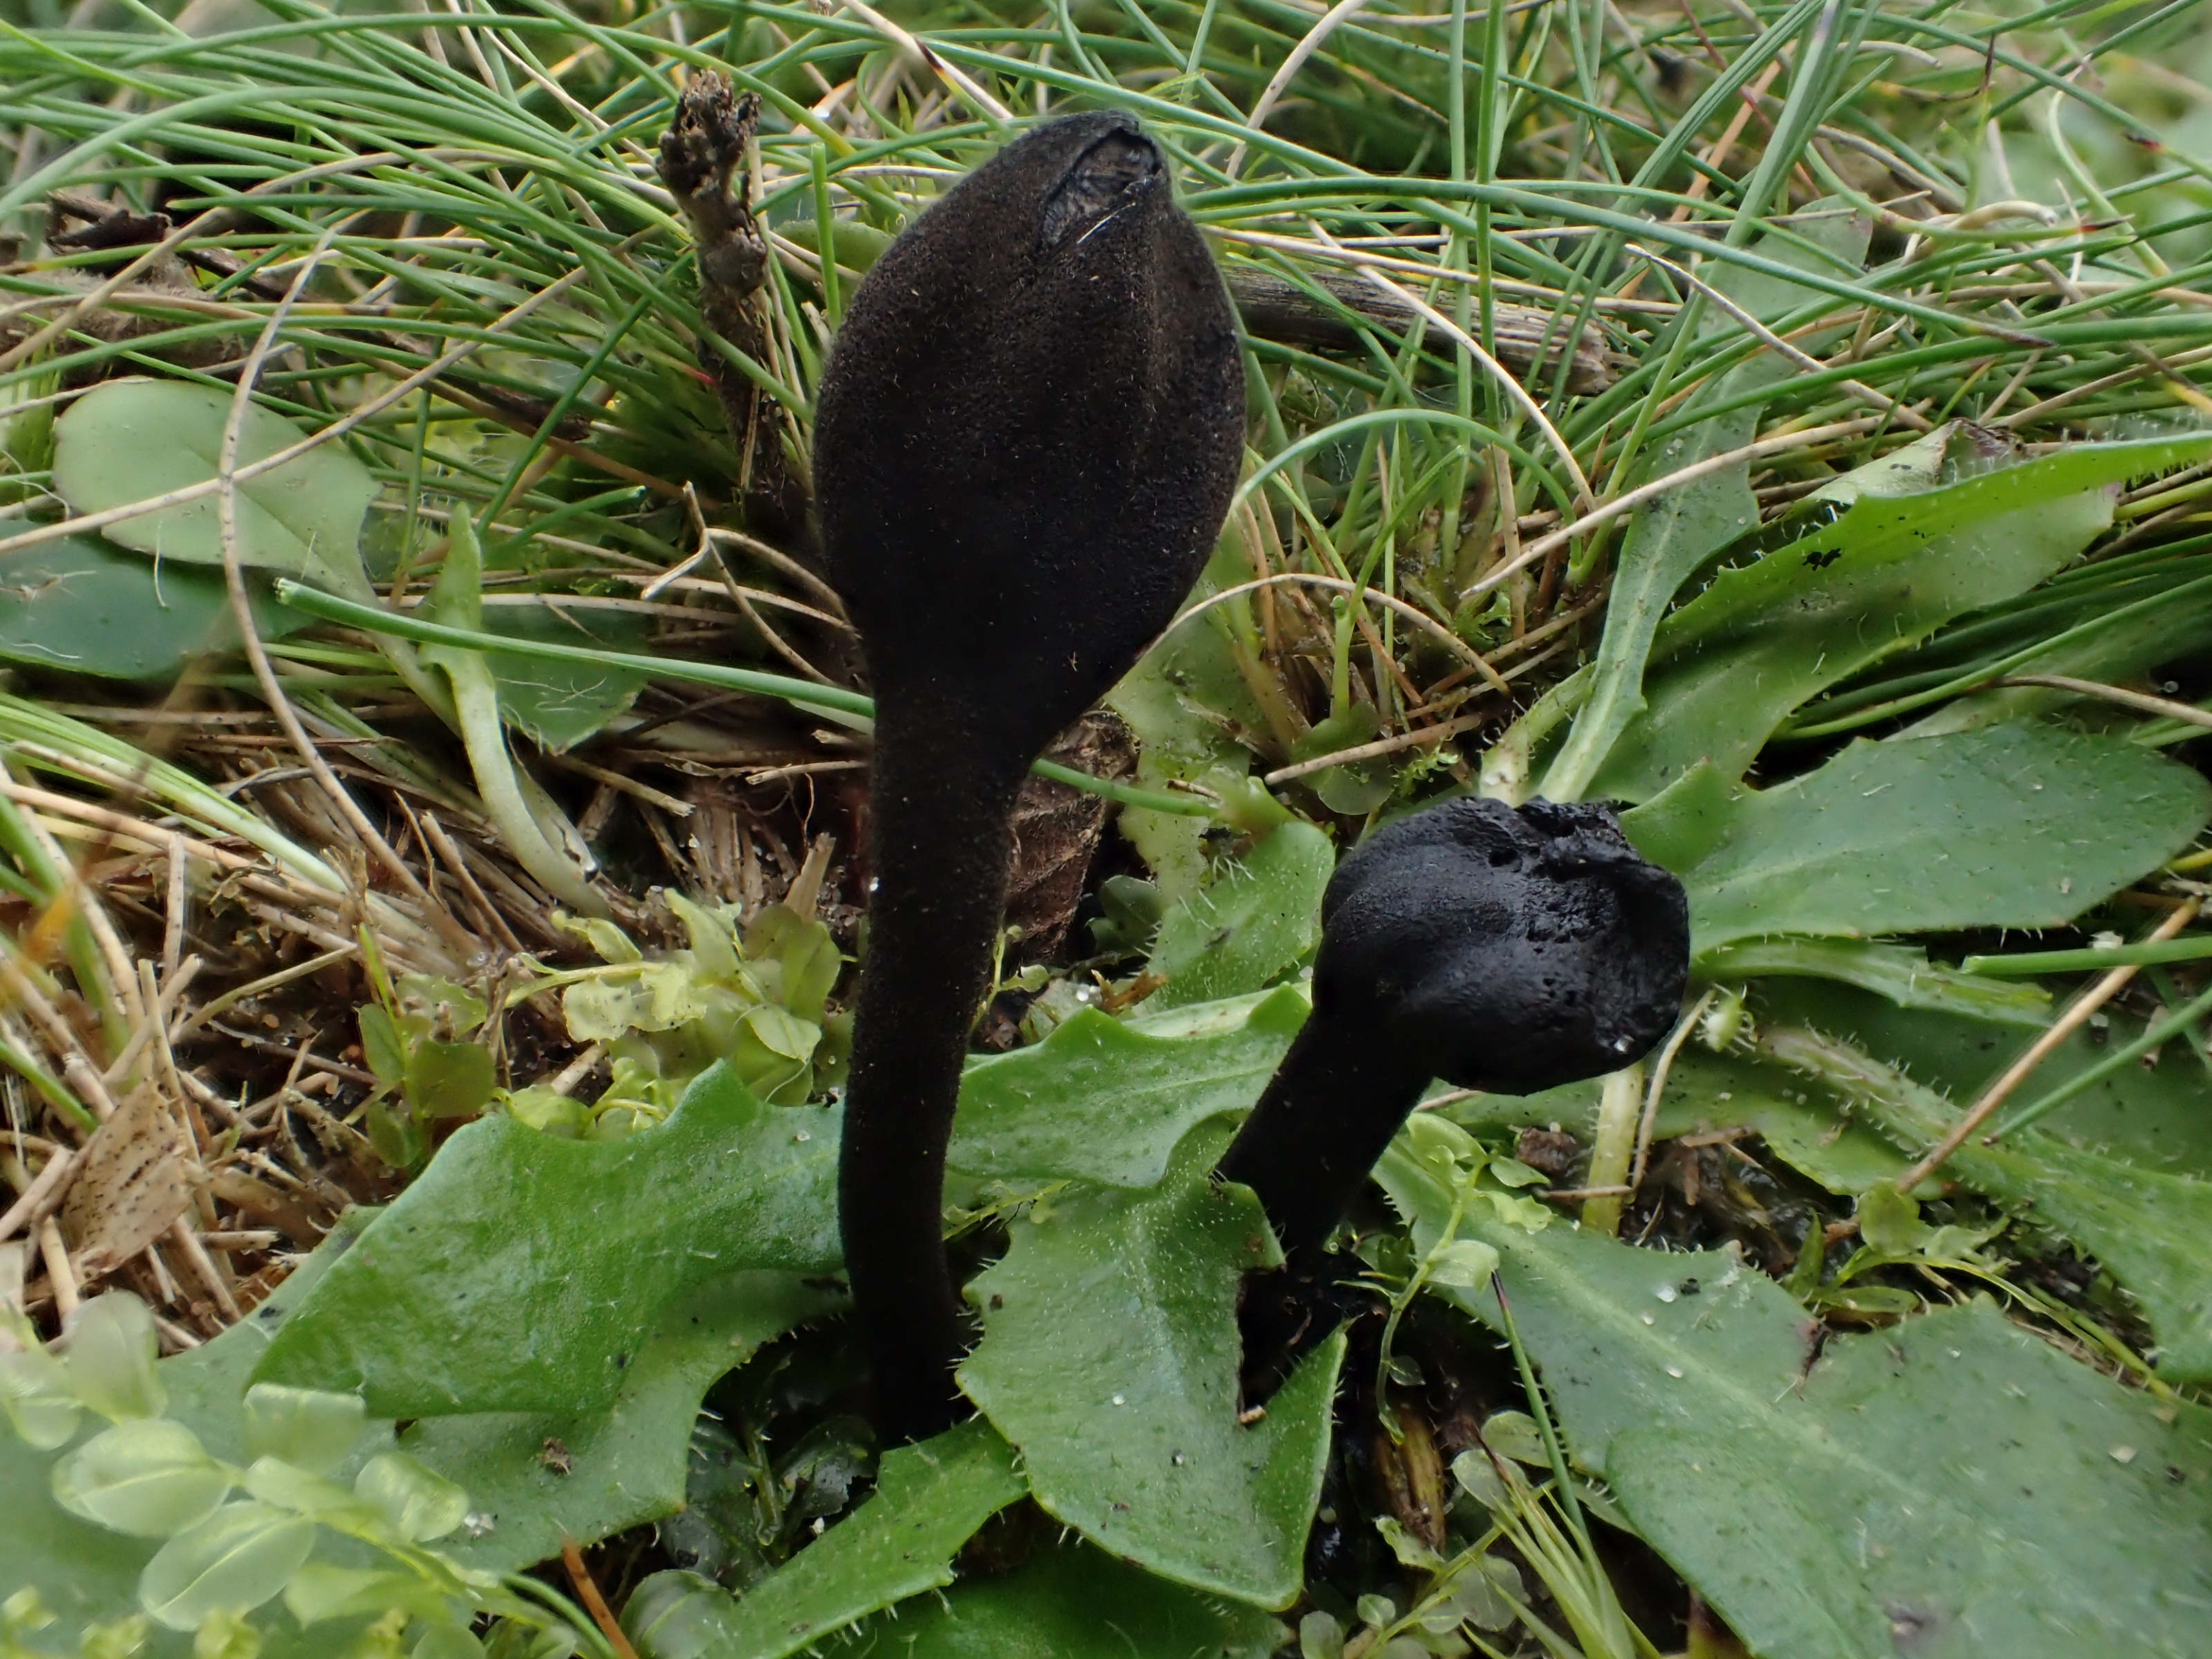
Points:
[[1108, 1358], [1251, 924], [322, 1590], [416, 1503], [238, 1558], [305, 1427], [146, 1478], [112, 1346], [521, 1272], [36, 1394], [126, 440]]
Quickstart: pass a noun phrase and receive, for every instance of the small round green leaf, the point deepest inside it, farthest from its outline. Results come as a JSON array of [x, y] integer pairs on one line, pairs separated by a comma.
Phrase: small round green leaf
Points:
[[416, 1503], [308, 1427], [237, 1559], [128, 440], [148, 1476], [112, 1347], [1463, 1264]]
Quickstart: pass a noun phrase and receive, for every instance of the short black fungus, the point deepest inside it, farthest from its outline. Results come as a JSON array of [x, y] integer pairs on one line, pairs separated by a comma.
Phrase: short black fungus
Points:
[[1498, 948], [1025, 446]]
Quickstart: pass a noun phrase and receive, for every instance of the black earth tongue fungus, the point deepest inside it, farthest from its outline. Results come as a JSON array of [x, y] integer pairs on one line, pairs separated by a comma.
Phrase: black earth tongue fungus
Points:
[[1499, 949], [1025, 444]]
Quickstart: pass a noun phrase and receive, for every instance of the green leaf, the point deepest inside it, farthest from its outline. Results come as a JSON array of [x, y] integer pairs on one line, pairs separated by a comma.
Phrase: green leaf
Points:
[[1076, 1603], [1101, 1100], [2147, 1227], [84, 606], [929, 1500], [1727, 667], [320, 1591], [149, 1478], [1669, 540], [126, 440], [626, 1464], [1253, 922], [2158, 1116], [36, 1394], [449, 1080], [382, 1046], [304, 1426], [416, 1502], [1932, 1477], [2011, 826], [1108, 1358], [112, 1345], [521, 1272], [558, 705], [1900, 973], [238, 1558], [1968, 1456]]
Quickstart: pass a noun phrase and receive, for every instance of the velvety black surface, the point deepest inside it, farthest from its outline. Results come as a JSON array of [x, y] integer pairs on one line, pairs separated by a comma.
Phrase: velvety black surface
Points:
[[1504, 950], [1025, 442]]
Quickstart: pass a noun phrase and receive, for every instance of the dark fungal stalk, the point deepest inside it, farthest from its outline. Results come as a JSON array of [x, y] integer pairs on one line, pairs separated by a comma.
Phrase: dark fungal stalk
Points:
[[1025, 443], [1499, 949]]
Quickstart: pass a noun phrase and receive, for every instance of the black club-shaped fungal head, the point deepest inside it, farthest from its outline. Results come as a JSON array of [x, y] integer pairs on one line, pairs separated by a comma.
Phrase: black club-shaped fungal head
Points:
[[1028, 432], [1504, 950]]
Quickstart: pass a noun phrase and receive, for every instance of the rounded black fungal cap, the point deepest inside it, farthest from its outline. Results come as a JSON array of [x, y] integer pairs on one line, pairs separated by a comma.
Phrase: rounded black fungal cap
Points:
[[1504, 950]]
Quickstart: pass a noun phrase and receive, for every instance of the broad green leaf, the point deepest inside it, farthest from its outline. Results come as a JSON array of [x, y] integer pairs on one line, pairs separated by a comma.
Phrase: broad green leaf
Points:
[[2011, 826], [2147, 1227], [416, 1502], [2002, 1500], [148, 1476], [1252, 923], [626, 1464], [84, 606], [521, 1272], [1727, 667], [929, 1500], [1952, 1475], [1100, 1101], [1075, 1603], [2158, 1116], [558, 705], [1900, 973], [126, 440], [305, 1427], [1108, 1358], [1667, 541], [234, 1561], [112, 1347]]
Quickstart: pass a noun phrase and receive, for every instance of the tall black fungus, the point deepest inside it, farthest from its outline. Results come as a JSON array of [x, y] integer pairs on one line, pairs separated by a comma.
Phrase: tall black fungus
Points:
[[1025, 446], [1498, 948]]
